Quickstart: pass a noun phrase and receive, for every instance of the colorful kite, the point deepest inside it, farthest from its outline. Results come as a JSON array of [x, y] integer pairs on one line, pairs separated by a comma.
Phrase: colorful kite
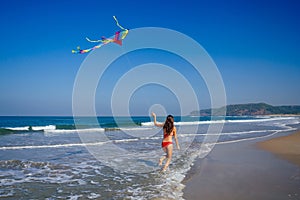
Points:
[[119, 36]]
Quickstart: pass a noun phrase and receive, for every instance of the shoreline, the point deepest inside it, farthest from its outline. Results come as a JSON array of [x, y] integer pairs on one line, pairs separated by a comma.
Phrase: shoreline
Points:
[[248, 170]]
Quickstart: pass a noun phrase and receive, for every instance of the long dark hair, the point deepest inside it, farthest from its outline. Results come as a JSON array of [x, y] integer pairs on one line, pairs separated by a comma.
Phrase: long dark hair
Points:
[[169, 124]]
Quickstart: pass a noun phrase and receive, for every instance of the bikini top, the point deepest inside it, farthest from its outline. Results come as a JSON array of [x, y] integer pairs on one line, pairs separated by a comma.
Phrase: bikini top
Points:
[[167, 135]]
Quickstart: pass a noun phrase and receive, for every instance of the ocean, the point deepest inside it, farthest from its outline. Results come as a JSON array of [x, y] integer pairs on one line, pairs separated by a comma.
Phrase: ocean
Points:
[[113, 158]]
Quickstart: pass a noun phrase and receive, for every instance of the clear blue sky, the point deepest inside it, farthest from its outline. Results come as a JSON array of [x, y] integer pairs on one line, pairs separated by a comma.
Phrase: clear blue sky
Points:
[[255, 44]]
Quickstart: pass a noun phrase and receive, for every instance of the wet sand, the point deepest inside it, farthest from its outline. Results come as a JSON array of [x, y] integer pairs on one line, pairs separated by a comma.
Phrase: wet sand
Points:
[[247, 170], [286, 147]]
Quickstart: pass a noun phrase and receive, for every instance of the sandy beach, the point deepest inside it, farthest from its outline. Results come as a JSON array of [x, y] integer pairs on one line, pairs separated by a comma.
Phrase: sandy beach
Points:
[[257, 169], [286, 147]]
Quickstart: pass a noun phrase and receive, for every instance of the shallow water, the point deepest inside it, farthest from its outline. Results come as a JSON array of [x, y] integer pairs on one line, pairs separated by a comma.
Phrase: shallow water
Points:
[[111, 161]]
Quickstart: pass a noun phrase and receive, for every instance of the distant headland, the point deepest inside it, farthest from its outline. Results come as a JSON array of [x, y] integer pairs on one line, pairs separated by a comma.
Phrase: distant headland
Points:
[[250, 109]]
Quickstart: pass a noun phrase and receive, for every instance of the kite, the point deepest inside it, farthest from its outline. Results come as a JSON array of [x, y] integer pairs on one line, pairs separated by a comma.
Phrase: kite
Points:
[[119, 36]]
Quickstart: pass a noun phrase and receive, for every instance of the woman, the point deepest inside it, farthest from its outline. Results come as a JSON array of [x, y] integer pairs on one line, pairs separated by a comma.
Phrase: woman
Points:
[[167, 144]]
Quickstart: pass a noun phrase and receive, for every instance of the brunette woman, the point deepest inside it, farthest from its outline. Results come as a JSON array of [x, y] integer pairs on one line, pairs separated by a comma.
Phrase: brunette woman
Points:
[[169, 130]]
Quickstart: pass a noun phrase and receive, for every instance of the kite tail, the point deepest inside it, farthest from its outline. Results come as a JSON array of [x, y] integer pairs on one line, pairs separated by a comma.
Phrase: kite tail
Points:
[[76, 51], [92, 40], [121, 27], [82, 51]]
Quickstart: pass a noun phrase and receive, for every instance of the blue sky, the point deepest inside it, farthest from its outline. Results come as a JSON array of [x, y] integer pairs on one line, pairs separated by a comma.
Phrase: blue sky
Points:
[[255, 45]]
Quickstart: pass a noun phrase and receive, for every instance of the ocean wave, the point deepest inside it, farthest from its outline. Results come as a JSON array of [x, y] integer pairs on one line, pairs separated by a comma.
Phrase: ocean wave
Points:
[[136, 129], [50, 129], [21, 172], [43, 128], [258, 137], [72, 128], [66, 145], [25, 128], [251, 120], [265, 119], [185, 123], [67, 168], [125, 140], [53, 146], [87, 130], [226, 133], [18, 164]]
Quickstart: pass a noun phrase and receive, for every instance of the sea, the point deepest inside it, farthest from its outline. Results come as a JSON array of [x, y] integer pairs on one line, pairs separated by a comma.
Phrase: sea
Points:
[[113, 157]]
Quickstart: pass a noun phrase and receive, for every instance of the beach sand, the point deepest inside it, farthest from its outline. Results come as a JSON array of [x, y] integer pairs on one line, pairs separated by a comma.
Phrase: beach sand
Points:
[[248, 170], [286, 147]]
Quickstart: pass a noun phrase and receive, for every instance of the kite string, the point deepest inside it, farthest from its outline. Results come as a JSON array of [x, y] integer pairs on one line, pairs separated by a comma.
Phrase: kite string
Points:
[[118, 23], [121, 27], [122, 48]]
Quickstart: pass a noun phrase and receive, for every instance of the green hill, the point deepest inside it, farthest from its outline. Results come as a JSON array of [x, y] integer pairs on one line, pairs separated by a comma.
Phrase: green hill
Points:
[[251, 109]]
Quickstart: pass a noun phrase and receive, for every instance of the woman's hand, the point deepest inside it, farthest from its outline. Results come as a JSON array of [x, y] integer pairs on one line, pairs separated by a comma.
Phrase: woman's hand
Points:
[[153, 114], [155, 123]]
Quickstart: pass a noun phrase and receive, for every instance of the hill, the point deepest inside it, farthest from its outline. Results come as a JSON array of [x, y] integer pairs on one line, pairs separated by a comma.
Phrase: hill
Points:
[[251, 109]]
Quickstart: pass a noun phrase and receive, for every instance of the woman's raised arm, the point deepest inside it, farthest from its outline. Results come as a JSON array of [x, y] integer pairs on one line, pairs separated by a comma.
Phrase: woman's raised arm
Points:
[[155, 122]]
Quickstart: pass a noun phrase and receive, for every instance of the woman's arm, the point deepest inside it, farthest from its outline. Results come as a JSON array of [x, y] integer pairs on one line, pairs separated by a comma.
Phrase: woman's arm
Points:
[[155, 122], [175, 137]]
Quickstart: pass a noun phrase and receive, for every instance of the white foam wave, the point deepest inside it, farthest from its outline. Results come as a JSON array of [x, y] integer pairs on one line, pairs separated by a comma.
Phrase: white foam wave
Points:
[[199, 122], [184, 123], [228, 133], [52, 129], [136, 129], [43, 128], [147, 124], [68, 145], [74, 130], [52, 146], [25, 128], [260, 120], [35, 171], [126, 140], [259, 137], [257, 120]]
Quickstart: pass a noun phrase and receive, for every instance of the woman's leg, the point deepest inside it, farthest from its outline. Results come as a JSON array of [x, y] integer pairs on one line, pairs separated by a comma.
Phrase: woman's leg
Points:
[[169, 149], [163, 157]]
